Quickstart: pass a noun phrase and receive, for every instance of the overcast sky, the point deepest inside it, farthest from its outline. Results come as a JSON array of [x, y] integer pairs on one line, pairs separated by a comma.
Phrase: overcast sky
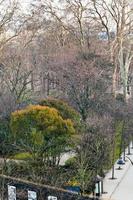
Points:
[[25, 3]]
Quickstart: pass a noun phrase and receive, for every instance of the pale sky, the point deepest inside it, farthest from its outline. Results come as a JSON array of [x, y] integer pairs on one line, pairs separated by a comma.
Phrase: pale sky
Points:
[[25, 4]]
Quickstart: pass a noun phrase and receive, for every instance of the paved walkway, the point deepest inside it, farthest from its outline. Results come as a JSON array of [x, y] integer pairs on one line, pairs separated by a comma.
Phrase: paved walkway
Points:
[[120, 188], [66, 156]]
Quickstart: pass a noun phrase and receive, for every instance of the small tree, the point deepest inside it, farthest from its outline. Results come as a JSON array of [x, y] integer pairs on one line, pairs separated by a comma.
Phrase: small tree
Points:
[[42, 128]]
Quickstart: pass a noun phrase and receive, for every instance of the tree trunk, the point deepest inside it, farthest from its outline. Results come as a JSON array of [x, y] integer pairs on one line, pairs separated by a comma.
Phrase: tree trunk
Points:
[[115, 81]]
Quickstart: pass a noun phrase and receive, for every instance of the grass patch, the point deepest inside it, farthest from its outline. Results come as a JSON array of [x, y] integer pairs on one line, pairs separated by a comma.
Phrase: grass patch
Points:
[[22, 156]]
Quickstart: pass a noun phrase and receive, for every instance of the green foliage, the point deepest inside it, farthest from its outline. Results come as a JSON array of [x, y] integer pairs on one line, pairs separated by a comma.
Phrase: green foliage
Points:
[[64, 109], [41, 129], [70, 162], [22, 156], [4, 130], [5, 140], [118, 138], [92, 157]]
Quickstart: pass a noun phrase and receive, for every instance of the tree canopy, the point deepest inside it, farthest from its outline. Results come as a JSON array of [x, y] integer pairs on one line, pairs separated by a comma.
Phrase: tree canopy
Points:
[[66, 111], [41, 127]]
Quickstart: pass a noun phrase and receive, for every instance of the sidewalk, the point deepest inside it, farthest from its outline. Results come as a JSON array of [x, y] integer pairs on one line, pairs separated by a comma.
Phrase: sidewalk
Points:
[[113, 187]]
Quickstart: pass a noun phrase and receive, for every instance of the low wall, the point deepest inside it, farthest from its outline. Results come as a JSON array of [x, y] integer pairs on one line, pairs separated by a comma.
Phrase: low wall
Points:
[[43, 191]]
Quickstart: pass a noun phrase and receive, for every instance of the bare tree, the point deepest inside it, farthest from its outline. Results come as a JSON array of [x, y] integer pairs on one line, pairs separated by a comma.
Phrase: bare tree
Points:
[[71, 15], [16, 80], [117, 13]]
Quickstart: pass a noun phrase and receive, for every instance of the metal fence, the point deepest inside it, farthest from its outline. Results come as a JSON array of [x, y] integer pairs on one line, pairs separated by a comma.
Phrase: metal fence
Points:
[[43, 192]]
